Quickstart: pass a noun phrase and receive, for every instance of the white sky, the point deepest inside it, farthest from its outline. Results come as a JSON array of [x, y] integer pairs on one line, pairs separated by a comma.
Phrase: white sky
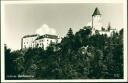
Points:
[[23, 19]]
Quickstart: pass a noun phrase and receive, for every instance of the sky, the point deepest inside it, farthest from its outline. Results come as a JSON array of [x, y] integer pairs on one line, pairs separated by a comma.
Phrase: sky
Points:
[[27, 19]]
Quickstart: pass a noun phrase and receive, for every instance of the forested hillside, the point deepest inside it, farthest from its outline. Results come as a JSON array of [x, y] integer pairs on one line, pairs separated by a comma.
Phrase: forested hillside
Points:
[[78, 56]]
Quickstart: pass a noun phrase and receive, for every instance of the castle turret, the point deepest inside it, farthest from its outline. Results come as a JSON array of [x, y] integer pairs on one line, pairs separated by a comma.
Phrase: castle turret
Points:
[[96, 19]]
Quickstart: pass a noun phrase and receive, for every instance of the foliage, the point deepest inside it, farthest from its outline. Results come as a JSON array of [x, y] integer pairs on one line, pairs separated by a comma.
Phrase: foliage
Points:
[[78, 56]]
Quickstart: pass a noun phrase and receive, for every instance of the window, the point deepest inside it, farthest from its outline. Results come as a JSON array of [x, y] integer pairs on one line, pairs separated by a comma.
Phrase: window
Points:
[[51, 41], [26, 42], [24, 46]]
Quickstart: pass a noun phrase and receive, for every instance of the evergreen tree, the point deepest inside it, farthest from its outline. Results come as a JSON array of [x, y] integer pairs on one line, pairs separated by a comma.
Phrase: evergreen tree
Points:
[[70, 33], [10, 65]]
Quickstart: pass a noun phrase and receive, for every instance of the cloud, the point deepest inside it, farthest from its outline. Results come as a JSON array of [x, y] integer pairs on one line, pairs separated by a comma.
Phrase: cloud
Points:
[[45, 29]]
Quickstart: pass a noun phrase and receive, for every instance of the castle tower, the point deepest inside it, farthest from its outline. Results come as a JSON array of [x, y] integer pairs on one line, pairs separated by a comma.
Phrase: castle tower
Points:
[[96, 20]]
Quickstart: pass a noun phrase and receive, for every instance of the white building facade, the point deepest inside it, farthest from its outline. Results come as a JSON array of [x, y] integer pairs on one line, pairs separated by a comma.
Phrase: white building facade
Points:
[[27, 40], [43, 41]]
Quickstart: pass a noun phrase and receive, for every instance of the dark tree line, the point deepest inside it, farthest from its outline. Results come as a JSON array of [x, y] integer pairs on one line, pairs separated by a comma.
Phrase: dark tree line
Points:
[[78, 56]]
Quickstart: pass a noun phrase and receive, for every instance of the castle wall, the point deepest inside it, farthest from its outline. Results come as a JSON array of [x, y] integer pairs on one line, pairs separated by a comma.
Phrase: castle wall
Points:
[[28, 41], [97, 25], [34, 42]]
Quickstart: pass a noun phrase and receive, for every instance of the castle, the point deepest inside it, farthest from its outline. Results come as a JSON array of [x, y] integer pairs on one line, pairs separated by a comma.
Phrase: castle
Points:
[[44, 41], [97, 26], [36, 40]]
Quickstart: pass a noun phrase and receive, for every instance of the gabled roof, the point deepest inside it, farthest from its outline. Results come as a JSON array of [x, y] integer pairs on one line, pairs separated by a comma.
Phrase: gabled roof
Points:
[[26, 36], [47, 36], [96, 12]]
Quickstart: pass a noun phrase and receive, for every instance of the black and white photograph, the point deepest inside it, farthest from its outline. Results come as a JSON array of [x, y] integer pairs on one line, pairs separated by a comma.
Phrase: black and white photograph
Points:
[[63, 41]]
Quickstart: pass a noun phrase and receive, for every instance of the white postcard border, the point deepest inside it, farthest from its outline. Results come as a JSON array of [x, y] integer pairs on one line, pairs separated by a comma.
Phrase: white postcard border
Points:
[[124, 2]]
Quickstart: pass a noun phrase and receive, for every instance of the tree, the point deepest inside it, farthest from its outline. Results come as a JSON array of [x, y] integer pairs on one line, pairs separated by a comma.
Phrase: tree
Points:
[[79, 56], [82, 36], [70, 33], [10, 66]]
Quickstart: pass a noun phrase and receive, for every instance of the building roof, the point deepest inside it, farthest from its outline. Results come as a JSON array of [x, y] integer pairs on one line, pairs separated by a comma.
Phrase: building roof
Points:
[[30, 35], [96, 12], [47, 36]]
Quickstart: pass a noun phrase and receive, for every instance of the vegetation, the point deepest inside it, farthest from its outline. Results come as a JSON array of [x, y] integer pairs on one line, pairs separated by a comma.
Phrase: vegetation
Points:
[[78, 56]]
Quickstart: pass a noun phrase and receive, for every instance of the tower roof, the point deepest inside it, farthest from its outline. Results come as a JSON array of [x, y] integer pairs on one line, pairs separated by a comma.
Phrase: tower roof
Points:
[[96, 12]]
